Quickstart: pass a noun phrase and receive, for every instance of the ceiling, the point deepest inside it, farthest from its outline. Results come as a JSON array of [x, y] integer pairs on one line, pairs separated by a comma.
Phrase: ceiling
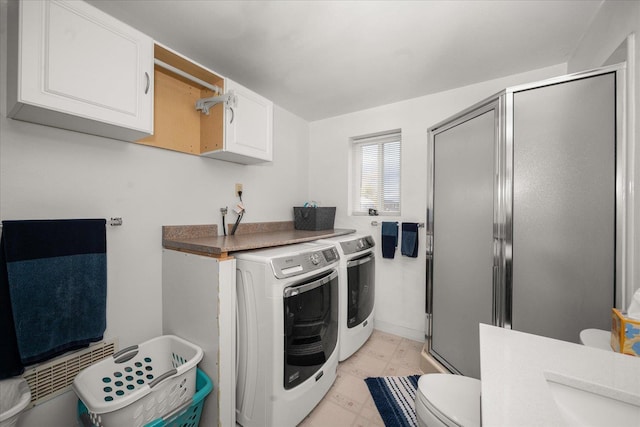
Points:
[[319, 59]]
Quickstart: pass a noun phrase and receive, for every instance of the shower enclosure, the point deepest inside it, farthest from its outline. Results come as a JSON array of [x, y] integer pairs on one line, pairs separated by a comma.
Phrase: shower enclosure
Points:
[[524, 214]]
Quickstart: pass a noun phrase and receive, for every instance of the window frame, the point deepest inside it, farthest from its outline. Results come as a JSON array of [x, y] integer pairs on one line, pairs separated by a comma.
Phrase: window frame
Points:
[[355, 148]]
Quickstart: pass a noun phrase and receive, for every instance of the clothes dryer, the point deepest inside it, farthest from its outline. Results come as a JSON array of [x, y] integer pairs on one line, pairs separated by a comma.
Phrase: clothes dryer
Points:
[[287, 336], [357, 290]]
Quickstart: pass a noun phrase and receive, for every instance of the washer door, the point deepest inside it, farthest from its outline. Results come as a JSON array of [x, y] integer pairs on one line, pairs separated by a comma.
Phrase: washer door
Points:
[[310, 327], [360, 289]]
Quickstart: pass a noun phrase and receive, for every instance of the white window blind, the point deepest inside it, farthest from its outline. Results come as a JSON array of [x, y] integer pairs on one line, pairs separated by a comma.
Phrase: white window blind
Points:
[[376, 173]]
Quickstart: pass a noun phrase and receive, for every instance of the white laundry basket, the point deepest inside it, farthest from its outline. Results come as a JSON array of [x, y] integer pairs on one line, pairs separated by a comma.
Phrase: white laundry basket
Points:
[[14, 397], [140, 383]]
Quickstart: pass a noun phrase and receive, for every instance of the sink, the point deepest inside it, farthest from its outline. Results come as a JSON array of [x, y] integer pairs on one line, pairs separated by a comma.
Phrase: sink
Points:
[[585, 404]]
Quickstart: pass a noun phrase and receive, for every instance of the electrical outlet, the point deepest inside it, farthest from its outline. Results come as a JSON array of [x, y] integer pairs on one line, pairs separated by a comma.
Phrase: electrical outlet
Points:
[[238, 189]]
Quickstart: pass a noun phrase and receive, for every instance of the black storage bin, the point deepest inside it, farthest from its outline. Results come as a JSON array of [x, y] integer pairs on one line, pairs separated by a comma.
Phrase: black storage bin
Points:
[[308, 218]]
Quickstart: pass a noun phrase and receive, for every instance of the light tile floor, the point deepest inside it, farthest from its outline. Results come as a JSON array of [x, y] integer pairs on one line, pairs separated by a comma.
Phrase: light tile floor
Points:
[[348, 402]]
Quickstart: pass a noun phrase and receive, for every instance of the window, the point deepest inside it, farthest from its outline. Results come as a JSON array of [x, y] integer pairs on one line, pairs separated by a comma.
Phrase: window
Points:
[[376, 173]]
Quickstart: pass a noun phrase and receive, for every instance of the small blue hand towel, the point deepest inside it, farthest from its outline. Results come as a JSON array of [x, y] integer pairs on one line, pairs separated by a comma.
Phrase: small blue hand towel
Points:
[[389, 239], [409, 245], [57, 276]]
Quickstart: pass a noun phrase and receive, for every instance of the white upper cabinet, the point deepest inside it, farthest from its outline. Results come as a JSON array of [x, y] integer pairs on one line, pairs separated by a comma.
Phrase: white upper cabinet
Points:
[[74, 67], [248, 128], [200, 112]]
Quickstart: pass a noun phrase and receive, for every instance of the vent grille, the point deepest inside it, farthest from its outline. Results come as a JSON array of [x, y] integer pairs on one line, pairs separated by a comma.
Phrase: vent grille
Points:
[[51, 379]]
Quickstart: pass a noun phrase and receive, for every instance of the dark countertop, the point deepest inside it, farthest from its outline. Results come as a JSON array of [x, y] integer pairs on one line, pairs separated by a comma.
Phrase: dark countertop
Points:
[[203, 239]]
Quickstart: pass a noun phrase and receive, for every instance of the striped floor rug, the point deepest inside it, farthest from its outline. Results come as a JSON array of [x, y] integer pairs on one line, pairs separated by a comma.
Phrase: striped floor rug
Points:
[[395, 399]]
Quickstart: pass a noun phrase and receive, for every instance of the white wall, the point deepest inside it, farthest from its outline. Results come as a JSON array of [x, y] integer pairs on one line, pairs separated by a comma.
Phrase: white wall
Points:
[[615, 21], [53, 173], [400, 282]]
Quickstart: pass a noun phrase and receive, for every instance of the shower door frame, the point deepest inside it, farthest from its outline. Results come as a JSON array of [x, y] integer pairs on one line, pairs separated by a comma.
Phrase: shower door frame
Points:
[[494, 103], [503, 103], [622, 177]]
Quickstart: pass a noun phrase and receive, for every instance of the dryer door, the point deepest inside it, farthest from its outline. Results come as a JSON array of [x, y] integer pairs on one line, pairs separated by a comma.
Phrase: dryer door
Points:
[[360, 289], [310, 327]]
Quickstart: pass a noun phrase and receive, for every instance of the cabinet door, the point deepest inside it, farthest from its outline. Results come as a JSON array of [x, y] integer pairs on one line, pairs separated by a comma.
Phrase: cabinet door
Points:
[[249, 125], [78, 62]]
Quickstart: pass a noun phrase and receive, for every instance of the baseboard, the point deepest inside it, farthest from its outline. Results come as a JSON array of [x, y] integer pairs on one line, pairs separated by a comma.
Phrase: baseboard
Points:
[[412, 334]]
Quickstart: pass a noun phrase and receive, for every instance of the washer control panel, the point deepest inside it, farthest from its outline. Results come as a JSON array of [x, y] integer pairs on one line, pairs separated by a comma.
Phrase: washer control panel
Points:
[[357, 245], [304, 262]]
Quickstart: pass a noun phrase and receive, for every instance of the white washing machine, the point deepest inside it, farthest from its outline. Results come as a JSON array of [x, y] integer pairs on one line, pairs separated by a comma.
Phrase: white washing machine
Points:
[[357, 290], [287, 336]]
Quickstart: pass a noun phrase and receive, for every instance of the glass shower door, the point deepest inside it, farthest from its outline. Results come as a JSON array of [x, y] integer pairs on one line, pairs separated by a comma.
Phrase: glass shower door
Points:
[[564, 207], [462, 162]]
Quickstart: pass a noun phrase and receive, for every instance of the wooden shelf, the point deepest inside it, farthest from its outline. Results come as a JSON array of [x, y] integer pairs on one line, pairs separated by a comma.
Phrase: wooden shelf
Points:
[[178, 125]]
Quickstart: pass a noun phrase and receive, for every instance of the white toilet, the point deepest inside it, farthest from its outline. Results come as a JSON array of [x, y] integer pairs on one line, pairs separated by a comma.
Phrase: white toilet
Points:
[[596, 338], [448, 400]]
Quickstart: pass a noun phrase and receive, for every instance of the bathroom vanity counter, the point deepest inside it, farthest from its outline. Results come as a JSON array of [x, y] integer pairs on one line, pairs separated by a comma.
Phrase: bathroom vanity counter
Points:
[[204, 239], [529, 380]]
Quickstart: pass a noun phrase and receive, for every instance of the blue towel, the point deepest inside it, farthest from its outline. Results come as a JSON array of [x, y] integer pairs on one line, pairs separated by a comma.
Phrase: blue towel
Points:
[[10, 363], [409, 245], [389, 239], [57, 280]]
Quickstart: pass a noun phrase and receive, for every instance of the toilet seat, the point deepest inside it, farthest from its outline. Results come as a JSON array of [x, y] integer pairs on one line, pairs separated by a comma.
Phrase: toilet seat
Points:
[[596, 338], [452, 400]]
